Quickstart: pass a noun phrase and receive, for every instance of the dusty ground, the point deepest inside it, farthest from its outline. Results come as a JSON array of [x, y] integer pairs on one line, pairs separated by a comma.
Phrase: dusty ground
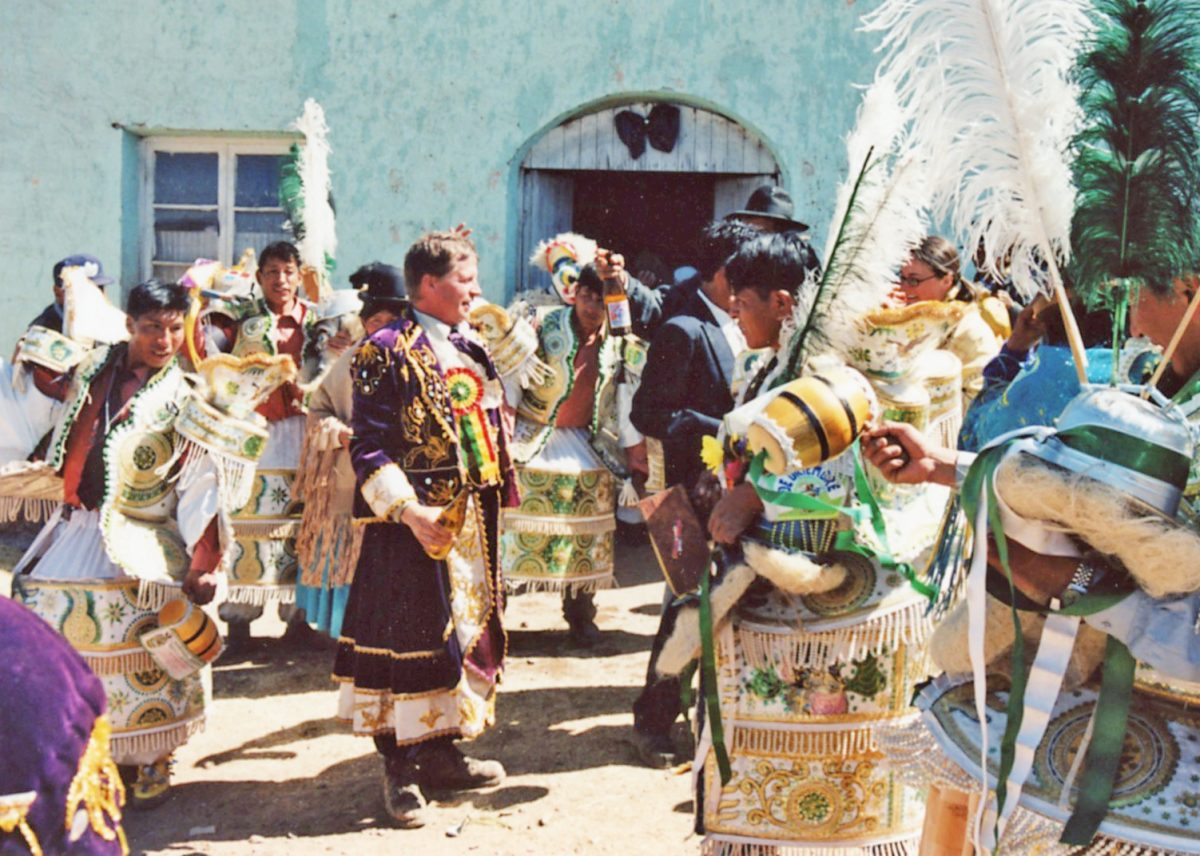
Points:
[[275, 773]]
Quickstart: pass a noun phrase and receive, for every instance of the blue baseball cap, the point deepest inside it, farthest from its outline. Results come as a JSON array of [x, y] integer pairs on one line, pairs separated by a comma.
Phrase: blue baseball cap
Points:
[[90, 264]]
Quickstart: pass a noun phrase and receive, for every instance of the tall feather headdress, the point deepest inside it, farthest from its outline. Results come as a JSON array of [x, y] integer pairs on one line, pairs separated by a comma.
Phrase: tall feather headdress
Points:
[[305, 193], [1138, 155], [878, 219], [988, 84]]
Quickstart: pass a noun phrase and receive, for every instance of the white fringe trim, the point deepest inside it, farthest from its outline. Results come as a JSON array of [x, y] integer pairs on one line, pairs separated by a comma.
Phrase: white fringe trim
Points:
[[138, 660], [715, 846], [261, 595], [160, 741], [572, 587], [235, 478], [14, 508], [908, 626], [516, 522], [154, 595], [266, 530], [821, 742]]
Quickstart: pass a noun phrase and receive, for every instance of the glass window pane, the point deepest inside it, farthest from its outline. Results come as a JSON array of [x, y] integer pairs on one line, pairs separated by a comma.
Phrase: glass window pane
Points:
[[185, 178], [168, 271], [257, 229], [257, 181], [184, 236]]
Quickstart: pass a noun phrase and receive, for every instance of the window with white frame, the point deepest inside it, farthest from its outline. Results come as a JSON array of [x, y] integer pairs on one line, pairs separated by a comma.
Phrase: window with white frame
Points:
[[209, 198]]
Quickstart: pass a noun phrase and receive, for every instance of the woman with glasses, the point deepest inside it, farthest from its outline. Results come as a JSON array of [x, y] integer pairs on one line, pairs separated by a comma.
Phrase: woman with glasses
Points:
[[932, 273]]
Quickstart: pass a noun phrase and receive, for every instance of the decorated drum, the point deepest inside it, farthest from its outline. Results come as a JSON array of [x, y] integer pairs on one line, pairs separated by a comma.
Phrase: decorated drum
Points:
[[801, 711], [812, 419], [1155, 805], [151, 713], [185, 641]]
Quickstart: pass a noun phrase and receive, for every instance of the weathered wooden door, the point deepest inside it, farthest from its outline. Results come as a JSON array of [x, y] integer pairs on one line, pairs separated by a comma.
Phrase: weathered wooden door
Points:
[[708, 143]]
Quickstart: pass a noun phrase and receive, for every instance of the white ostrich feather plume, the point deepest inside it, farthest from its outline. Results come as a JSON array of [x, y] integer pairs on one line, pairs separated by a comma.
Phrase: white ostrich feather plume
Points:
[[879, 218], [987, 83], [320, 235]]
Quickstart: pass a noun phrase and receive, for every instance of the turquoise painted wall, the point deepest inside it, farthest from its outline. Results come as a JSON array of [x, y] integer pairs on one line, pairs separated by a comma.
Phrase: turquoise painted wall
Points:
[[429, 104]]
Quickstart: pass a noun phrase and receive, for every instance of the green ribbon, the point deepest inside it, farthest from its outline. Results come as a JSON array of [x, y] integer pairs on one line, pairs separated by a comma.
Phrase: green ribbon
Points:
[[1103, 758], [708, 673], [844, 541], [1116, 688], [1124, 450]]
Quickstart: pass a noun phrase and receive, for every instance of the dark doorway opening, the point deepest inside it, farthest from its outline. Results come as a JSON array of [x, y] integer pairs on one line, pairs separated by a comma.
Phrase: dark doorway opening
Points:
[[652, 218]]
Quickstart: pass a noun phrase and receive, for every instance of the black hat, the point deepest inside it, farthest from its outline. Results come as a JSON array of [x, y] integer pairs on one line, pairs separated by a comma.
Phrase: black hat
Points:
[[91, 268], [379, 282], [771, 202]]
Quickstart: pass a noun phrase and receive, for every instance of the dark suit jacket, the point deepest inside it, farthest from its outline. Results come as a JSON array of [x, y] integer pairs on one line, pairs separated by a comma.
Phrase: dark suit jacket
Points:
[[50, 318], [685, 388]]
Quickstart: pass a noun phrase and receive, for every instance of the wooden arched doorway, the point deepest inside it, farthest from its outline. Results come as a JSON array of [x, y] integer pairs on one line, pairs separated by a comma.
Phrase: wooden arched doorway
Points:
[[581, 176]]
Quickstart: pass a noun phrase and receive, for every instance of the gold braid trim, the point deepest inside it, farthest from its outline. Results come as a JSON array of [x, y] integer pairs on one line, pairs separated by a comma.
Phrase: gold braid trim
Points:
[[13, 810], [97, 785]]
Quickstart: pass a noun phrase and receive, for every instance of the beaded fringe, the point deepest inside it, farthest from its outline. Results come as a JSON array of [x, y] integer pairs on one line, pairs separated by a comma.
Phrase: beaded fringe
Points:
[[908, 626], [558, 525], [154, 595], [824, 743], [918, 759], [713, 847], [125, 746], [138, 660], [256, 595], [14, 508], [235, 478], [571, 587], [266, 530]]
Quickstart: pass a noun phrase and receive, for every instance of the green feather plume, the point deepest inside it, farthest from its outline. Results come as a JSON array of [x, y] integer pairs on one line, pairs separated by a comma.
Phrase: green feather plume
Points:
[[1136, 165], [291, 191]]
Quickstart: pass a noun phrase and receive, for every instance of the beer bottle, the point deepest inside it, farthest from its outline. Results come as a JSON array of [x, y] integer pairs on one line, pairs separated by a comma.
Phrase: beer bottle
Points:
[[620, 318]]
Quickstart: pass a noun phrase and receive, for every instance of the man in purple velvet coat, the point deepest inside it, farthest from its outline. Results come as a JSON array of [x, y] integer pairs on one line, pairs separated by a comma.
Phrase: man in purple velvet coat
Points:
[[422, 641]]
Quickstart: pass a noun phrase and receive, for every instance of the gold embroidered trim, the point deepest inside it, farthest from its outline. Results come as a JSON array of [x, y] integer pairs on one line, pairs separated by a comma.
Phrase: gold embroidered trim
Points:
[[13, 810], [385, 652], [97, 786]]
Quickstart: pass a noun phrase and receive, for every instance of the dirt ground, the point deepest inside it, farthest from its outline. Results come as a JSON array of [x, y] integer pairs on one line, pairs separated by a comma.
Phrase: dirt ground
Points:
[[274, 772]]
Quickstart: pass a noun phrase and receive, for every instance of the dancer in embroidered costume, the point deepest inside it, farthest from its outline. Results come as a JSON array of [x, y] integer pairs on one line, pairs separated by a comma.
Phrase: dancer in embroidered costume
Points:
[[139, 517], [573, 443], [422, 642], [815, 637], [328, 545], [280, 322]]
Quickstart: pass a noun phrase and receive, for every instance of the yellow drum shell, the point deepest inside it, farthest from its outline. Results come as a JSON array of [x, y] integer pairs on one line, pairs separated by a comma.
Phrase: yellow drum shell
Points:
[[812, 419], [192, 625]]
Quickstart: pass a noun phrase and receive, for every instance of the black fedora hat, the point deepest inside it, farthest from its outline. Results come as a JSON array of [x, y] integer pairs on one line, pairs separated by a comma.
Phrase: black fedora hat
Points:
[[771, 202]]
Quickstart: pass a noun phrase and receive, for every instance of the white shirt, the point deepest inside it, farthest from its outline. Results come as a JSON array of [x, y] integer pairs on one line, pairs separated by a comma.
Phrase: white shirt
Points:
[[729, 327], [439, 337]]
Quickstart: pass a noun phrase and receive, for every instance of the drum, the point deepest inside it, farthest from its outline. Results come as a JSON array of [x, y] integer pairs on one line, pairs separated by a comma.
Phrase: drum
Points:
[[185, 641], [1154, 803], [802, 709], [812, 419]]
